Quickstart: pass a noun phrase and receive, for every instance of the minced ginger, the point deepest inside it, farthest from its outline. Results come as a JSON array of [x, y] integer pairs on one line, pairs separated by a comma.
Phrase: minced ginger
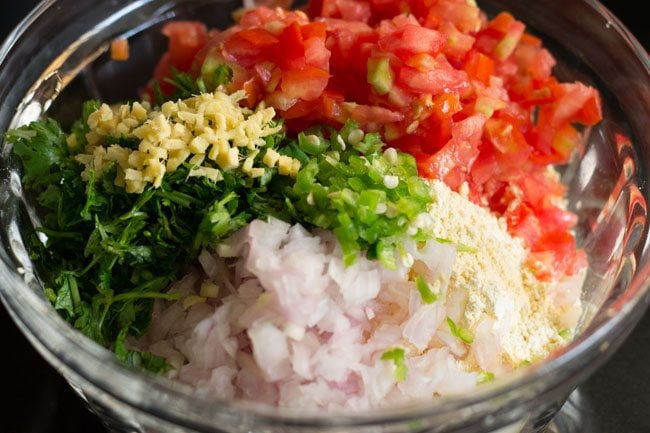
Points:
[[208, 131]]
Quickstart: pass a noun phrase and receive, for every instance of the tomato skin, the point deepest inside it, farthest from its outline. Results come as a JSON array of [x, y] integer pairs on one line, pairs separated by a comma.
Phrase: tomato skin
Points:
[[434, 81], [316, 54], [413, 39], [464, 16], [458, 44], [367, 114], [307, 84], [459, 152], [505, 137], [315, 29], [290, 48], [575, 102], [480, 67], [249, 46], [352, 10]]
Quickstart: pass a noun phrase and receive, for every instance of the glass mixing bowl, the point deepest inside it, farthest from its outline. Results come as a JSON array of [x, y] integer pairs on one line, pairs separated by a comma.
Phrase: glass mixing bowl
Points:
[[58, 57]]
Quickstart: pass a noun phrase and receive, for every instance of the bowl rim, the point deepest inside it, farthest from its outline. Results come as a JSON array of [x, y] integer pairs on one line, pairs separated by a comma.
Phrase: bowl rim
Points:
[[53, 336]]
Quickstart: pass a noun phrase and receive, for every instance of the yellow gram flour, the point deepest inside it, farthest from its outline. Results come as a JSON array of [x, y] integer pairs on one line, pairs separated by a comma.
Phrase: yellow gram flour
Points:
[[493, 280]]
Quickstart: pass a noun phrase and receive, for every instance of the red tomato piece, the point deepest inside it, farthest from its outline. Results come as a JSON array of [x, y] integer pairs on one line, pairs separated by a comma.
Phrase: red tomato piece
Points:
[[353, 10], [249, 46], [563, 246], [484, 168], [507, 45], [186, 38], [437, 80], [465, 16], [461, 150], [316, 53], [290, 49], [258, 17], [480, 67], [473, 101], [458, 43], [306, 84], [576, 103], [446, 105], [523, 222], [367, 114], [413, 39], [316, 29], [504, 136], [162, 71], [280, 100]]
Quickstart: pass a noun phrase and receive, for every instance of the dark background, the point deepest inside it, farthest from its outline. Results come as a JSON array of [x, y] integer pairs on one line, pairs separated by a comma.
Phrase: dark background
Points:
[[36, 400]]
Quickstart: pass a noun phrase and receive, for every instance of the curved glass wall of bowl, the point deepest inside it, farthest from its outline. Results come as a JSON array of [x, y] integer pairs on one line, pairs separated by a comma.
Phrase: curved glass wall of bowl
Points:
[[73, 65]]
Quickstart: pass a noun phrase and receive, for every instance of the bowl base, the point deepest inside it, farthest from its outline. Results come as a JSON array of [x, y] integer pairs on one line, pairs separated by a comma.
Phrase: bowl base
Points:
[[575, 416]]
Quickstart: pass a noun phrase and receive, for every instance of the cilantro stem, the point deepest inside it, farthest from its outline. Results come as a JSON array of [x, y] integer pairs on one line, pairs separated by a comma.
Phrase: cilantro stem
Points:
[[146, 295], [58, 234], [131, 296], [94, 261]]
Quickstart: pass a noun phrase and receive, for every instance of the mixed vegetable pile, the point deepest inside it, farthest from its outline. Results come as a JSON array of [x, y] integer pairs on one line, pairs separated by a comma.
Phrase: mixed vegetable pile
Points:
[[473, 100], [369, 99]]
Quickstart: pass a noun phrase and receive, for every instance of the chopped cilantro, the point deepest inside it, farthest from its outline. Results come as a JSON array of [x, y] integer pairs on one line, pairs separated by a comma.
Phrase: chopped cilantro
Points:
[[186, 85], [137, 360], [222, 75]]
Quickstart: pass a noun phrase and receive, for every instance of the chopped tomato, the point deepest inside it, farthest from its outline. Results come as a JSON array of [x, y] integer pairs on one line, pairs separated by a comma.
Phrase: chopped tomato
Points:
[[505, 137], [366, 114], [458, 43], [186, 38], [436, 80], [185, 41], [464, 15], [316, 29], [575, 102], [460, 151], [249, 46], [413, 39], [307, 84], [120, 50], [473, 100], [480, 67], [291, 47]]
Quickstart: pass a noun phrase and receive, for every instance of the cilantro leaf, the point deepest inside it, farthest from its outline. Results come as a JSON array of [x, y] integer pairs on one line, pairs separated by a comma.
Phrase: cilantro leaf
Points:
[[43, 150], [138, 360]]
